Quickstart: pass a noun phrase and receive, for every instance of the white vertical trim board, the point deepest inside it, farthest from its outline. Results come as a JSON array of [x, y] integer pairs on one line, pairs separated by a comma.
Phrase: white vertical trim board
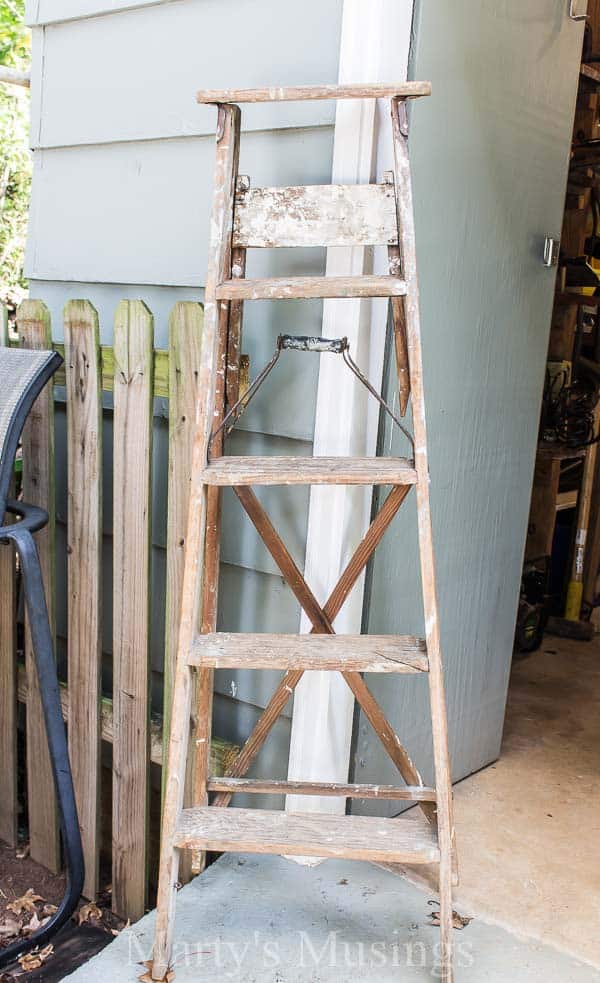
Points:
[[374, 47]]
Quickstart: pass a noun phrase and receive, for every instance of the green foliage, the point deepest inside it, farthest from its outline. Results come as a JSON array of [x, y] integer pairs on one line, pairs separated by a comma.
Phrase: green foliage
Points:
[[15, 163], [14, 36]]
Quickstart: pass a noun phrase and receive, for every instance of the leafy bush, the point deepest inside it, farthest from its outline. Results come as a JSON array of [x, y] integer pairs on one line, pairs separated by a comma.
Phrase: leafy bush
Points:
[[15, 163]]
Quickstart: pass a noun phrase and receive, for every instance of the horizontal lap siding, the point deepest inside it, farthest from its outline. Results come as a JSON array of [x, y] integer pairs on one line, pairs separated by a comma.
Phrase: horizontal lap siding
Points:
[[123, 170], [139, 212], [161, 56], [54, 11]]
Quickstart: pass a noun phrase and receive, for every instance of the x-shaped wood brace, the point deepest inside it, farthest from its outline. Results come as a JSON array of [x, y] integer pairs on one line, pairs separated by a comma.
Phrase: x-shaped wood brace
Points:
[[322, 618]]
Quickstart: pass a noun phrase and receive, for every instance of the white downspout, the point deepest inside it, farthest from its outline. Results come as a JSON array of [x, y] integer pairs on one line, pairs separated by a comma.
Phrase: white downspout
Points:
[[374, 47]]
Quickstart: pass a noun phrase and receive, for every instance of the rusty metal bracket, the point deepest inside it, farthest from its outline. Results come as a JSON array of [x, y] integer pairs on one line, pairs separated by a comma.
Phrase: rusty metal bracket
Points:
[[304, 343]]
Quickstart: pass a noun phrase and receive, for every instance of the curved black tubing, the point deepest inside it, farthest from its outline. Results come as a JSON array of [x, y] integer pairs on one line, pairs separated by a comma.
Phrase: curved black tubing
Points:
[[32, 519]]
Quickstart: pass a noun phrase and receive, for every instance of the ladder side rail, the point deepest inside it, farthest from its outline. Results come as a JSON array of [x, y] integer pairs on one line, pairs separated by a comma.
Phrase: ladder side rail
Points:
[[198, 766], [406, 231], [226, 392], [234, 333], [219, 267]]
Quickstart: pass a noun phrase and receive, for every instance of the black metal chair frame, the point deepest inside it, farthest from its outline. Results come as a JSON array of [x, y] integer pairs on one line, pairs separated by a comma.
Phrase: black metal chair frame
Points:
[[20, 534]]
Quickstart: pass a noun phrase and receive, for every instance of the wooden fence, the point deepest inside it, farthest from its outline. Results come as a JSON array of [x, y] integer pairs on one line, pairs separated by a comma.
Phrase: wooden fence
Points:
[[135, 373]]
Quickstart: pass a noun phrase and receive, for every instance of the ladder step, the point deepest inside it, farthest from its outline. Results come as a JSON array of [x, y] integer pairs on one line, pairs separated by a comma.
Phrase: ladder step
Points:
[[405, 840], [256, 786], [310, 471], [303, 287], [343, 653], [316, 215]]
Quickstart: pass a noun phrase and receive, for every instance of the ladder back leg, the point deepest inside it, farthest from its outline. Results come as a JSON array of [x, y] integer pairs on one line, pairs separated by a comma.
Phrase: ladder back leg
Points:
[[226, 167], [406, 232]]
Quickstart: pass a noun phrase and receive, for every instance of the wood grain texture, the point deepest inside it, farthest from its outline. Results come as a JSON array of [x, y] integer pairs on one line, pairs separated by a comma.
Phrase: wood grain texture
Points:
[[439, 724], [219, 267], [107, 368], [318, 834], [399, 328], [185, 345], [316, 215], [198, 767], [8, 673], [309, 471], [360, 653], [592, 554], [584, 504], [132, 455], [234, 332], [322, 624], [257, 786], [307, 287], [33, 324], [84, 573], [222, 752], [388, 737], [404, 90], [286, 687], [542, 511]]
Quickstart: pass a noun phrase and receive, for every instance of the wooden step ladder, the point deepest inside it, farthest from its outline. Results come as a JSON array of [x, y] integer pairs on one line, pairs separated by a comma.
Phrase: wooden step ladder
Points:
[[244, 218]]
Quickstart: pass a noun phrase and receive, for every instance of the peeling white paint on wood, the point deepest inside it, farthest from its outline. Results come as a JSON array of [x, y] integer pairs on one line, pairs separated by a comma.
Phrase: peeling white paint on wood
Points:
[[316, 215]]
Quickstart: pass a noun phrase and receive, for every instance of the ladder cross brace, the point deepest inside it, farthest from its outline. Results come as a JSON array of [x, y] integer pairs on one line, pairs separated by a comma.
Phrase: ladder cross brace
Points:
[[322, 618]]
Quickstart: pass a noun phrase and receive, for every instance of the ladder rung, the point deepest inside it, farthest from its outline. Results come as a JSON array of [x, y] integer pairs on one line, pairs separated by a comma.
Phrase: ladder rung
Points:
[[410, 793], [406, 840], [310, 471], [346, 653], [303, 287]]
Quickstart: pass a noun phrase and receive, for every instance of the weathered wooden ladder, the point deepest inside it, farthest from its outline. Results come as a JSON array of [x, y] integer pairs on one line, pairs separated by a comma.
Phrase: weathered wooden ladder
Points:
[[333, 215]]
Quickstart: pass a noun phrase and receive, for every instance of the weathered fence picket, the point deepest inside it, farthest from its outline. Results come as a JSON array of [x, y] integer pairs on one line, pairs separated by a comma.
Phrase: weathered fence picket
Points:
[[84, 577], [185, 343], [33, 323], [132, 460], [135, 373]]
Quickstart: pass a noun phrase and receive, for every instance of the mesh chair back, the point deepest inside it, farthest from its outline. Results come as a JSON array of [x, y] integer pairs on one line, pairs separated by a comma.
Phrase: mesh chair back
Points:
[[23, 375]]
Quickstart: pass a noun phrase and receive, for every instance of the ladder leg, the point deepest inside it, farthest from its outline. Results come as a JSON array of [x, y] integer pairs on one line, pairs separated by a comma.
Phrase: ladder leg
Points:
[[228, 132], [432, 632], [169, 855], [212, 551]]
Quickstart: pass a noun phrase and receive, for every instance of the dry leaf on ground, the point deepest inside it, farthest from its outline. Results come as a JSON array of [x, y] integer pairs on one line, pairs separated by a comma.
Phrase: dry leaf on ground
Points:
[[88, 913], [34, 923], [9, 928], [117, 931], [49, 909], [25, 904], [458, 921], [35, 959]]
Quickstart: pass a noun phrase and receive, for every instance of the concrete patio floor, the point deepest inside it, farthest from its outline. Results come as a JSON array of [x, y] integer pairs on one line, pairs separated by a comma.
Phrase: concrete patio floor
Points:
[[527, 831], [269, 920]]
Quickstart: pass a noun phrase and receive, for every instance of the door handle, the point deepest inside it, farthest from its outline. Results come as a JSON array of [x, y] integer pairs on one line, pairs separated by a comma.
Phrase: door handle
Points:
[[574, 6]]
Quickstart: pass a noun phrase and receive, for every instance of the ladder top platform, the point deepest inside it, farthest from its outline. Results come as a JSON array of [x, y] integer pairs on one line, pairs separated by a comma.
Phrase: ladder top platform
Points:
[[299, 93]]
